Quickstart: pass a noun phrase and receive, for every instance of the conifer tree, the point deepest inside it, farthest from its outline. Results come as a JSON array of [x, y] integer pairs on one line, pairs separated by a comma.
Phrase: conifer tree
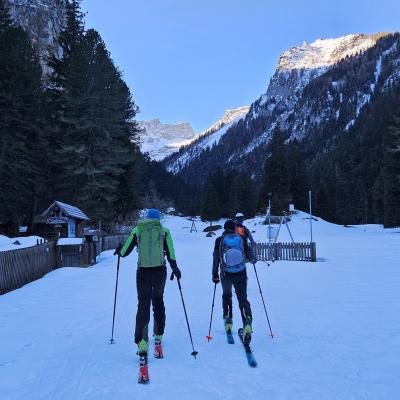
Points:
[[210, 209], [20, 94], [95, 154], [391, 195], [297, 176], [275, 175]]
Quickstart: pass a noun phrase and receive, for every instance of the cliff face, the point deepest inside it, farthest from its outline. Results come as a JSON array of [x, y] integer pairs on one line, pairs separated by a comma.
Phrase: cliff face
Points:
[[43, 20]]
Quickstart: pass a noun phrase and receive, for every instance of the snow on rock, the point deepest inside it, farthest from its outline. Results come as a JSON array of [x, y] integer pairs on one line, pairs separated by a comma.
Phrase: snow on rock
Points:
[[335, 325], [230, 116], [160, 140], [324, 52], [208, 138]]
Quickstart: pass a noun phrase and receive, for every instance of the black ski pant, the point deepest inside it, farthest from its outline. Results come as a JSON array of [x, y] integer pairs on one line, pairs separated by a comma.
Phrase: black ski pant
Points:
[[150, 284], [239, 282]]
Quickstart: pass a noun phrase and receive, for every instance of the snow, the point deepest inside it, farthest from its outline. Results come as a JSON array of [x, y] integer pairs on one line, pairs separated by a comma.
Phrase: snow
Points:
[[208, 138], [324, 52], [6, 243], [68, 210], [335, 324], [69, 241], [161, 140], [349, 124]]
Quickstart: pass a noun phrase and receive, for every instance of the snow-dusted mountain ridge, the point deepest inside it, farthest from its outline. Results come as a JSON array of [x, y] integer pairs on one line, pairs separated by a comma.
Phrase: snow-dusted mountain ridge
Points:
[[324, 52], [161, 140], [318, 87], [205, 140]]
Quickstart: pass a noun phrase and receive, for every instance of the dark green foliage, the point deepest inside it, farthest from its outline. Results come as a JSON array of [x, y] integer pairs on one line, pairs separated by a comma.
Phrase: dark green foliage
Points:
[[20, 133], [297, 174], [210, 210], [5, 19], [95, 150], [75, 141], [226, 194], [391, 171], [276, 176], [172, 191]]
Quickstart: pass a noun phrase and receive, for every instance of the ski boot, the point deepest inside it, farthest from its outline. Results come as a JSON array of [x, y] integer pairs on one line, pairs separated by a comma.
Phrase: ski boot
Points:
[[247, 331], [143, 369], [228, 325], [158, 351]]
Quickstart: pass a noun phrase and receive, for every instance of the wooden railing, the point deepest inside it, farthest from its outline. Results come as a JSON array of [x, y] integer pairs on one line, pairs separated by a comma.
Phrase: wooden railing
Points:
[[286, 251]]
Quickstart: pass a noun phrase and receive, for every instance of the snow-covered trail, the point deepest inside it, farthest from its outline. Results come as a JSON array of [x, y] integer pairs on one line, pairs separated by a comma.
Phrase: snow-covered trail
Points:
[[336, 325]]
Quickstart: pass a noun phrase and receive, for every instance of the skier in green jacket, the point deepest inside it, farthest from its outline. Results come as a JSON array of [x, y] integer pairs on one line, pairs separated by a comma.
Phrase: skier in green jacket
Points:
[[154, 242]]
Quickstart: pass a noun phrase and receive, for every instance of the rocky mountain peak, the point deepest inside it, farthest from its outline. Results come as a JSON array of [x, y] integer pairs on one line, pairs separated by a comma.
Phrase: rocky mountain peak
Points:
[[323, 53], [160, 140]]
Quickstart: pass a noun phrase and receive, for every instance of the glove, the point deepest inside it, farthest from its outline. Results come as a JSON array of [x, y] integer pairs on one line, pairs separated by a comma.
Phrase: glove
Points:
[[215, 279], [118, 250], [177, 272]]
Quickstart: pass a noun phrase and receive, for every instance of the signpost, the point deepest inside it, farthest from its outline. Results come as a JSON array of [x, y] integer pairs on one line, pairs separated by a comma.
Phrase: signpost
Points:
[[57, 220]]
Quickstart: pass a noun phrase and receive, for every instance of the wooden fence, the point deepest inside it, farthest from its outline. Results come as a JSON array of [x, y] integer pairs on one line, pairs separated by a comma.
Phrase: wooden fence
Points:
[[287, 251], [18, 267], [111, 242]]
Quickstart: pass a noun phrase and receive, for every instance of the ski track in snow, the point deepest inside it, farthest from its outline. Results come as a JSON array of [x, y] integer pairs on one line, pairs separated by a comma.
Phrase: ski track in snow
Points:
[[335, 322]]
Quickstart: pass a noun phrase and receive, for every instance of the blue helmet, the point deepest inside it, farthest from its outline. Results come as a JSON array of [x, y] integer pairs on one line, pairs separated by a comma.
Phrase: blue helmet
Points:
[[153, 213]]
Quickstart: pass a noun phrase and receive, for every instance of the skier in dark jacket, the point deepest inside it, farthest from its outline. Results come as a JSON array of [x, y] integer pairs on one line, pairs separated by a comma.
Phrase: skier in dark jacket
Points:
[[230, 251], [154, 242], [247, 236]]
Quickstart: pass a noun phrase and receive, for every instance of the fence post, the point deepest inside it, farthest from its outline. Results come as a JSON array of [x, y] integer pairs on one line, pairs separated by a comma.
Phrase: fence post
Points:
[[313, 252]]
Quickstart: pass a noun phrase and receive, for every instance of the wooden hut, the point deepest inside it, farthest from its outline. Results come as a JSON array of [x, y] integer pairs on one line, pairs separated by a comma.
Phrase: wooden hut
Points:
[[61, 220]]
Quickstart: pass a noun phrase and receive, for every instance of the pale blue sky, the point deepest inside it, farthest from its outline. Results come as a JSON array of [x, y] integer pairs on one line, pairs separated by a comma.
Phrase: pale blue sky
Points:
[[189, 60]]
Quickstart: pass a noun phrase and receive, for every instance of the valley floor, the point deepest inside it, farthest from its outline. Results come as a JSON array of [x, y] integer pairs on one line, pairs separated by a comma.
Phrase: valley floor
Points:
[[336, 324]]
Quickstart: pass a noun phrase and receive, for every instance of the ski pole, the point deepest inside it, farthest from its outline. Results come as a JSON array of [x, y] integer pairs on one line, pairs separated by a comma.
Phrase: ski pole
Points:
[[262, 298], [209, 337], [194, 352], [112, 341]]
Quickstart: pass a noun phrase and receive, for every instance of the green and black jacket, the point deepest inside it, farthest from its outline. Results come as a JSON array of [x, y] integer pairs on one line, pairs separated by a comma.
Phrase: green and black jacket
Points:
[[169, 250]]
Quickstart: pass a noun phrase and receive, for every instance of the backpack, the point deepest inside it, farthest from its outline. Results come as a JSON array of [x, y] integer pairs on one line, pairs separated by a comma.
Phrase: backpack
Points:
[[150, 243], [232, 253]]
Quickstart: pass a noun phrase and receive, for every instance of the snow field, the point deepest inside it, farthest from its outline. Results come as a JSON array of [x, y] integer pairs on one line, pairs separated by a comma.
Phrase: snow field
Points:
[[335, 322]]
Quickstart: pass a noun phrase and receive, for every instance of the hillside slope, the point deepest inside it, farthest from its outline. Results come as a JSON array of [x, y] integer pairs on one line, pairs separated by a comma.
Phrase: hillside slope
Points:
[[318, 92]]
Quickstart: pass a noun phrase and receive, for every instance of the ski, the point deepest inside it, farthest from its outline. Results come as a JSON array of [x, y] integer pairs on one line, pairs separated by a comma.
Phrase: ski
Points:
[[158, 350], [249, 354], [230, 338], [143, 369]]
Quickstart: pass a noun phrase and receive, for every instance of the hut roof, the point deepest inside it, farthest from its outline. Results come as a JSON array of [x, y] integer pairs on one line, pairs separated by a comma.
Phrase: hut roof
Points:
[[68, 210]]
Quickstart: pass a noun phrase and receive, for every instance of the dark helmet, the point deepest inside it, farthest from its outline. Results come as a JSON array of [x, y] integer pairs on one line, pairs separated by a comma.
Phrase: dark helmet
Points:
[[229, 225]]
